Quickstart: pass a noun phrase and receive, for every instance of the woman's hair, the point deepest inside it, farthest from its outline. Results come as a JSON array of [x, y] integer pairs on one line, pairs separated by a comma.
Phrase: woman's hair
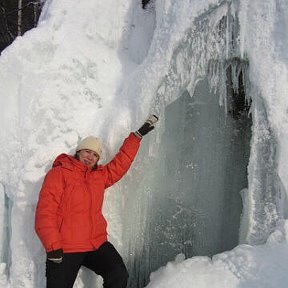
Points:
[[76, 155]]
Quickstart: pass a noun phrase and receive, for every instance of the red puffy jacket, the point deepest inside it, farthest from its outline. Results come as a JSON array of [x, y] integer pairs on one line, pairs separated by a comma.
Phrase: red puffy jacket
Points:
[[68, 213]]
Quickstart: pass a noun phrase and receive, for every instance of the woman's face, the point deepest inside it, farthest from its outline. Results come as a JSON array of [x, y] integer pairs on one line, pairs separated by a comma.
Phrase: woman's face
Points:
[[88, 157]]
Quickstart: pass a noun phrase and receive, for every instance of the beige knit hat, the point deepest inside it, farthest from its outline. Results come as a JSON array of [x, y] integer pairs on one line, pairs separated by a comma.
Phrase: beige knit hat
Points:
[[91, 143]]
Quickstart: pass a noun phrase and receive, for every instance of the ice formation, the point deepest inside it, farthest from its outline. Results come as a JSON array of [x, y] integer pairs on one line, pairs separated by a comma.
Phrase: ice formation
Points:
[[211, 176]]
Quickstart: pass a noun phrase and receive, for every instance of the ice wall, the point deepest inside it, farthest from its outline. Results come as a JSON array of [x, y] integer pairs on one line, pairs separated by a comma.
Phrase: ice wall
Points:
[[58, 83], [171, 220], [78, 73], [262, 41], [190, 195], [193, 187]]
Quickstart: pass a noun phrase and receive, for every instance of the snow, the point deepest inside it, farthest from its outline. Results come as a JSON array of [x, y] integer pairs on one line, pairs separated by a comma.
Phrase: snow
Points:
[[244, 266], [99, 68]]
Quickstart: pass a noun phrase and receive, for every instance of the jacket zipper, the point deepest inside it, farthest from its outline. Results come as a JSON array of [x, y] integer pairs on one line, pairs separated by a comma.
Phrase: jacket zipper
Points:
[[90, 204]]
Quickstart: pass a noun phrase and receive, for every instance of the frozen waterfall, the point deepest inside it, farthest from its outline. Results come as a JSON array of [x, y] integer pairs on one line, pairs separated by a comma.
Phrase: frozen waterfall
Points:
[[193, 187], [212, 175]]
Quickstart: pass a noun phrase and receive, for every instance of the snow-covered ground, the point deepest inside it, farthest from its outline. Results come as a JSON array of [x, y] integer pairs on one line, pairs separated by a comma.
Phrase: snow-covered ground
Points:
[[98, 67], [244, 267]]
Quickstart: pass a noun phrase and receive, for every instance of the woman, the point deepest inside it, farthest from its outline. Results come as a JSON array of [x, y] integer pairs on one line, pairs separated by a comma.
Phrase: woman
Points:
[[69, 220]]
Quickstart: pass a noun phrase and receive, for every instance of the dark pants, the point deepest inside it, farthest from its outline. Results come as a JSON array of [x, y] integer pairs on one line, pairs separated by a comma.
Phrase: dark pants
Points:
[[104, 261]]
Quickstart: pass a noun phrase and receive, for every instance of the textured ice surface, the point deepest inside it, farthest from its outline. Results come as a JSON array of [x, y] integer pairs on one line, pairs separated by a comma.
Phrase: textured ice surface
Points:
[[94, 67]]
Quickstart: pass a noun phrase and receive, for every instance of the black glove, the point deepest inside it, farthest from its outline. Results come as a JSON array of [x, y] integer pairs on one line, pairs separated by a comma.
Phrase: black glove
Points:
[[148, 126], [55, 256]]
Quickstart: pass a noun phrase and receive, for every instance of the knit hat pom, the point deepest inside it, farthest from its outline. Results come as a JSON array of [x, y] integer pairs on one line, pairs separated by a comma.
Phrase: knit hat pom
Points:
[[91, 143]]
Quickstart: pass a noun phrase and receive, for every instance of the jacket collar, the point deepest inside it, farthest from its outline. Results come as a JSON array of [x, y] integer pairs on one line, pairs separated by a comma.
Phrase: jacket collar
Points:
[[70, 162]]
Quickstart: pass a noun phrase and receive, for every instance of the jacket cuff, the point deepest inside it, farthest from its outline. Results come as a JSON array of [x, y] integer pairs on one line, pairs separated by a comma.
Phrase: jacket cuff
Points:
[[136, 136], [54, 246]]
